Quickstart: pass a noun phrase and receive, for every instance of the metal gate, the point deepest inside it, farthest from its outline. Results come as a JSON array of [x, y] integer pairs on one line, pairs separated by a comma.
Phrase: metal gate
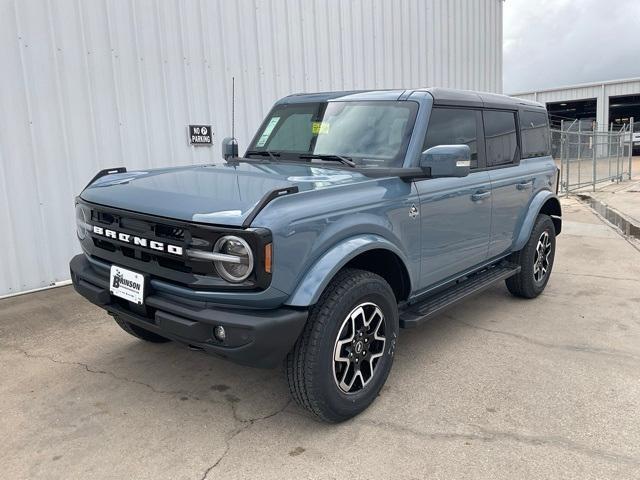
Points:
[[588, 156]]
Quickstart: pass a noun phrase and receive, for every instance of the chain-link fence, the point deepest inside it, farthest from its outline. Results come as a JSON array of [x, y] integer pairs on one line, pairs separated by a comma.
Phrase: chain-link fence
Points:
[[588, 156]]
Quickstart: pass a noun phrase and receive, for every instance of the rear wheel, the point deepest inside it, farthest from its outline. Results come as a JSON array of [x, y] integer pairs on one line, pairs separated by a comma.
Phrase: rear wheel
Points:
[[345, 353], [535, 260], [140, 332]]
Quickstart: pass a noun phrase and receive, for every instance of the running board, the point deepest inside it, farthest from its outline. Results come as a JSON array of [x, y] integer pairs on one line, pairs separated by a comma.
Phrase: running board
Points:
[[420, 312]]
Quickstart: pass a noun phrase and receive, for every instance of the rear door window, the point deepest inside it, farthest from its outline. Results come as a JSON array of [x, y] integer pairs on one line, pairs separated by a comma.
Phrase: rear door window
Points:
[[501, 137], [454, 126], [534, 131]]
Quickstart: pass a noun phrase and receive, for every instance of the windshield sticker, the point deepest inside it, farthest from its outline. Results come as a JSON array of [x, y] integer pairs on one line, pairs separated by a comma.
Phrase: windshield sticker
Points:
[[319, 128], [267, 131]]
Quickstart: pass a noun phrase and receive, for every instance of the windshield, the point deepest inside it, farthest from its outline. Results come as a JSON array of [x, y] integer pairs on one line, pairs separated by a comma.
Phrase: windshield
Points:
[[373, 133]]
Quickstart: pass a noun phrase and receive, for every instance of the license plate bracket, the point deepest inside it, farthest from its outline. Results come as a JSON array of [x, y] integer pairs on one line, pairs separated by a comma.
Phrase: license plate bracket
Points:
[[127, 284]]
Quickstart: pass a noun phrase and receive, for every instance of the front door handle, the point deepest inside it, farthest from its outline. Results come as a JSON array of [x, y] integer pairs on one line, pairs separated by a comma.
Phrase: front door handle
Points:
[[524, 185], [480, 195]]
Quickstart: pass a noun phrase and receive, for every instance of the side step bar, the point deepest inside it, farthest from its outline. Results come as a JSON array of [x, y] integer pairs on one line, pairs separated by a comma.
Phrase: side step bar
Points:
[[420, 312]]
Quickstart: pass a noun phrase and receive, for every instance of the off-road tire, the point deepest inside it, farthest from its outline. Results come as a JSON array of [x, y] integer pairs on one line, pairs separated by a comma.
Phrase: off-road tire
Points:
[[309, 367], [524, 283], [140, 332]]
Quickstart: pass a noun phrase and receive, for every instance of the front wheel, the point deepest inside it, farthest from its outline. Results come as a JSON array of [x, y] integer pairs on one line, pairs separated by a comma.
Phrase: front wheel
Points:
[[535, 260], [345, 353]]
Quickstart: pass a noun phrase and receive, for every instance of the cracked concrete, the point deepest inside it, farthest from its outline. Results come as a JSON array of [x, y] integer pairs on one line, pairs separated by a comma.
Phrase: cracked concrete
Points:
[[91, 370], [246, 424], [495, 388]]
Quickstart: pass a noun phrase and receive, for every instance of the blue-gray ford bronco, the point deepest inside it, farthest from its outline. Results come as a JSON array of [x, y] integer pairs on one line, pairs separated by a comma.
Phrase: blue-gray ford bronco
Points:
[[350, 215]]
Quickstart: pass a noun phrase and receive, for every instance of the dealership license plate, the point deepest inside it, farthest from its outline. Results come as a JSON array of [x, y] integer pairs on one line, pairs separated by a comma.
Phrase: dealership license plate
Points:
[[127, 284]]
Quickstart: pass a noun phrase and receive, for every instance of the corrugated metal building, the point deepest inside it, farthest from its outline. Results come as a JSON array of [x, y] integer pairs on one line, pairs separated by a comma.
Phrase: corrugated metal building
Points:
[[91, 85], [611, 102]]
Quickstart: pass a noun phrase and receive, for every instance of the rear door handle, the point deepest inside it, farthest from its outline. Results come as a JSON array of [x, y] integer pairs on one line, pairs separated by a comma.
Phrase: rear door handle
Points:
[[524, 185], [480, 195]]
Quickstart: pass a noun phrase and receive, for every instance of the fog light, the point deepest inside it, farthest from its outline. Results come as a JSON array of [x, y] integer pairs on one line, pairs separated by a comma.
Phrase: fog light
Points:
[[219, 333]]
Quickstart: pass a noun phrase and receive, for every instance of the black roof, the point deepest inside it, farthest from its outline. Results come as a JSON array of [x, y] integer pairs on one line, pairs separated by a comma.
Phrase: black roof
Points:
[[441, 96], [450, 96]]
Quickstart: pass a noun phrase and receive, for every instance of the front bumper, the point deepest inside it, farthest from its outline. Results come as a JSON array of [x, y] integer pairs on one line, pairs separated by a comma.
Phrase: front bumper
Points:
[[259, 338]]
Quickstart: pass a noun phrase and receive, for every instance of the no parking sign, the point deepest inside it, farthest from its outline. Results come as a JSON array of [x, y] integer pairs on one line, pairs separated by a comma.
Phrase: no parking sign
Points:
[[200, 135]]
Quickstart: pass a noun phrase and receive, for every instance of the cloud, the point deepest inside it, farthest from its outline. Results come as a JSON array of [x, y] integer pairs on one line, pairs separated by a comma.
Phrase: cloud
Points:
[[550, 43]]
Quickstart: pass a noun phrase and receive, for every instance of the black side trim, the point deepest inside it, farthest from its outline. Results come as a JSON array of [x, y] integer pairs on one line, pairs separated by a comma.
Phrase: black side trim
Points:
[[278, 192], [107, 171]]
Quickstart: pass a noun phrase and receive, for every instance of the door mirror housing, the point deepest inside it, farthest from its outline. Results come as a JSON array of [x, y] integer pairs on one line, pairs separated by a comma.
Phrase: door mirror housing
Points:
[[447, 160], [229, 148]]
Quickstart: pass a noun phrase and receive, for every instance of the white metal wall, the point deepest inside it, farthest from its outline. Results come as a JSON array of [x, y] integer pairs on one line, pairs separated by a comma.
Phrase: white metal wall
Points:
[[86, 85], [601, 91]]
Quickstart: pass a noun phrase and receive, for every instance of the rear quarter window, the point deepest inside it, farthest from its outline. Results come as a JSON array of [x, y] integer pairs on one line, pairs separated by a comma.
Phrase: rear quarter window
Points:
[[534, 129]]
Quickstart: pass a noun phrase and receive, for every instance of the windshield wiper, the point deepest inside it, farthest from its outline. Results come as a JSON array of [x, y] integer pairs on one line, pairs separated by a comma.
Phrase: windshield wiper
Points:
[[263, 153], [335, 158]]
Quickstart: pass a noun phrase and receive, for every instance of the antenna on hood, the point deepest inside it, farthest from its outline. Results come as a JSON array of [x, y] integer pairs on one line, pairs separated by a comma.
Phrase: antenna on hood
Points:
[[230, 144]]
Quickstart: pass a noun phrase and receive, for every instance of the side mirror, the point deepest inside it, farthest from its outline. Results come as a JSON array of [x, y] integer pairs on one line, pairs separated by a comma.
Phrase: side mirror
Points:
[[229, 148], [447, 160]]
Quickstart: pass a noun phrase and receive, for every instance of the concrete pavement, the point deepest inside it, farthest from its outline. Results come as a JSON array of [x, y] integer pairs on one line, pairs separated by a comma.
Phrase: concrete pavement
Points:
[[624, 197], [619, 203], [497, 387]]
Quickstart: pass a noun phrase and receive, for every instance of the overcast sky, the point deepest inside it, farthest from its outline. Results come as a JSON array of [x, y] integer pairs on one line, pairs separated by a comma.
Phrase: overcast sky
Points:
[[550, 43]]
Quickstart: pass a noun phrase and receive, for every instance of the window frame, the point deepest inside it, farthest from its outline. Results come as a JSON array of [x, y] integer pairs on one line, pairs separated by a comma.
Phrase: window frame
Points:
[[546, 115], [480, 142], [517, 157]]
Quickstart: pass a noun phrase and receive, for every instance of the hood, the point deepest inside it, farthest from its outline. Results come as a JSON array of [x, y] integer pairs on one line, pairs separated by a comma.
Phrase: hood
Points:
[[221, 194]]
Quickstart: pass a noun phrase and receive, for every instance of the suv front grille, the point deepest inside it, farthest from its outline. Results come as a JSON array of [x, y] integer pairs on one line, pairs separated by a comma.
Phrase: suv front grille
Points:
[[148, 230], [163, 264]]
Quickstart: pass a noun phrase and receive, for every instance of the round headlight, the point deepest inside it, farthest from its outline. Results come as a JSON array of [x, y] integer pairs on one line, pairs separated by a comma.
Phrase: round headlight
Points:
[[81, 222], [240, 261]]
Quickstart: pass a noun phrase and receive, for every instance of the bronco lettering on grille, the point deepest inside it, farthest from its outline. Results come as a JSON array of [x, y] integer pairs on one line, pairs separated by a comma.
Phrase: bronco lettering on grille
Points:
[[138, 241]]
